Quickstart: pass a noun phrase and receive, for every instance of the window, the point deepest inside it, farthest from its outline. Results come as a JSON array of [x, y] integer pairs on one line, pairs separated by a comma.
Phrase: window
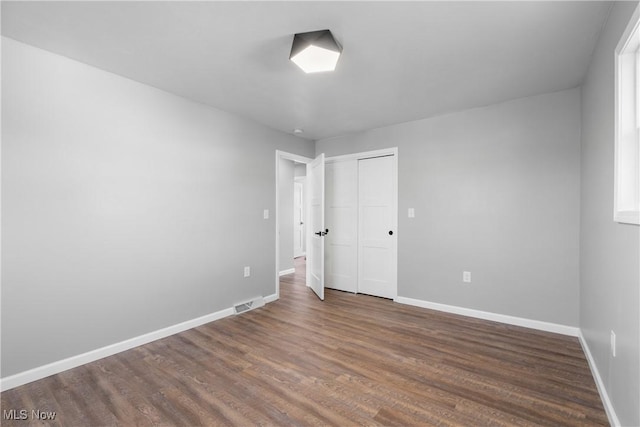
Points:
[[627, 125]]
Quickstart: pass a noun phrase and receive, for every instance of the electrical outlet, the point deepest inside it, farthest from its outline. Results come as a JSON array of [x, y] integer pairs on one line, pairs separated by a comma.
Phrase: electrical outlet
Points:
[[265, 214], [247, 271], [613, 344], [466, 276], [411, 213]]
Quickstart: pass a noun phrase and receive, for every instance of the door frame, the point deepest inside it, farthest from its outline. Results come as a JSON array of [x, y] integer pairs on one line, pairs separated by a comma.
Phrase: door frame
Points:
[[282, 155]]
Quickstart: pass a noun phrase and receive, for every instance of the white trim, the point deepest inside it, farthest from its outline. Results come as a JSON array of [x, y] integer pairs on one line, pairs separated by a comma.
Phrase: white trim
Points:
[[287, 271], [604, 396], [295, 158], [626, 217], [632, 26], [625, 207], [109, 350], [364, 155], [502, 318], [270, 298]]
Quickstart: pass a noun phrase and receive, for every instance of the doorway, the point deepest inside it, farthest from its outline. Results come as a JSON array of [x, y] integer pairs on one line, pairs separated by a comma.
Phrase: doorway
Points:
[[361, 249], [289, 217]]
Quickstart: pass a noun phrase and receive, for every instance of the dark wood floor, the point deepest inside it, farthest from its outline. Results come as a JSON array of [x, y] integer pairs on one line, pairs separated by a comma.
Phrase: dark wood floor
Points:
[[352, 359]]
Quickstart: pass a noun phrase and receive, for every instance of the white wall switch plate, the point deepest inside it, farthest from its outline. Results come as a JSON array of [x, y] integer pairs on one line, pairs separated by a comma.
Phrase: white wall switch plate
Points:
[[411, 213], [466, 276], [247, 271], [265, 214]]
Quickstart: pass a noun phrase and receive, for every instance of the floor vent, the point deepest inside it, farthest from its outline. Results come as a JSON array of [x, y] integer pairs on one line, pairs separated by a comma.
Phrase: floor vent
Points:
[[249, 305]]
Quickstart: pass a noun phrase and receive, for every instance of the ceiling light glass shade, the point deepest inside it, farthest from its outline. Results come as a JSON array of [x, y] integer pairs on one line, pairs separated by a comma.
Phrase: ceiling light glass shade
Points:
[[315, 52]]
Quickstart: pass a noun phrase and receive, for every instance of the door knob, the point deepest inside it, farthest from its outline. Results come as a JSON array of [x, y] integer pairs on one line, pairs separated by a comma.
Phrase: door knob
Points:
[[390, 233]]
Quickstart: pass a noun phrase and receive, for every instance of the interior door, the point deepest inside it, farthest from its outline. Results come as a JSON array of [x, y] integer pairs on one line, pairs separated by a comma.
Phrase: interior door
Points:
[[298, 219], [315, 225], [377, 259]]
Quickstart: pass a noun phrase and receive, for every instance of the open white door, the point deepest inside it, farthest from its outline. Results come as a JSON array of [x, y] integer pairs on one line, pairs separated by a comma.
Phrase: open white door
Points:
[[315, 226]]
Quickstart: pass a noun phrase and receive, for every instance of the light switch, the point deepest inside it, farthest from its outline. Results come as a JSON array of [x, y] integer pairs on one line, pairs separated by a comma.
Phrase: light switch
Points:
[[265, 214], [412, 213]]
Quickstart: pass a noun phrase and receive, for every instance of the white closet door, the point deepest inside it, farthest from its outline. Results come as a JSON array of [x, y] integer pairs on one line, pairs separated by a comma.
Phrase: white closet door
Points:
[[341, 244], [377, 227]]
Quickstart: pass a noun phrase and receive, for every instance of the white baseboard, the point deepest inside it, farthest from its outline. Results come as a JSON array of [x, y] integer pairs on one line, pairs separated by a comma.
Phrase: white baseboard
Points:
[[270, 298], [287, 271], [503, 318], [608, 406], [93, 355]]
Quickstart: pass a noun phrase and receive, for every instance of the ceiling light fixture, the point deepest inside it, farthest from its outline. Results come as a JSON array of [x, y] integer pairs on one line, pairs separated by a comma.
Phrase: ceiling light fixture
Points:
[[315, 51]]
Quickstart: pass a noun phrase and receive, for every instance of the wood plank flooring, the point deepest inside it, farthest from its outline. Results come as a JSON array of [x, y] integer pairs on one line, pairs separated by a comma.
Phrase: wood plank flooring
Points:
[[350, 360]]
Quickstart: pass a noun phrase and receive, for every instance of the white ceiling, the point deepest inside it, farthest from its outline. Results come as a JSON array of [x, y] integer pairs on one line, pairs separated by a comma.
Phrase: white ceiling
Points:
[[402, 61]]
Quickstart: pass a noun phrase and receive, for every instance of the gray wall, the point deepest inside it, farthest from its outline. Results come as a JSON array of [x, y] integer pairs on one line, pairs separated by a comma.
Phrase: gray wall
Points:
[[496, 192], [300, 170], [124, 209], [285, 213], [609, 252]]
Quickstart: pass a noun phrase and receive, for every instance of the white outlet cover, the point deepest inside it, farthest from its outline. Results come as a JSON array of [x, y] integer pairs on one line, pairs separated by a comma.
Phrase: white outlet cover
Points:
[[265, 214], [247, 271], [466, 276], [411, 213]]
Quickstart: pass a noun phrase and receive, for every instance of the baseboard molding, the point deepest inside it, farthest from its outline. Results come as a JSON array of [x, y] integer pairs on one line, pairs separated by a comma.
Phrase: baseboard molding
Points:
[[608, 406], [93, 355], [287, 271], [502, 318], [270, 298]]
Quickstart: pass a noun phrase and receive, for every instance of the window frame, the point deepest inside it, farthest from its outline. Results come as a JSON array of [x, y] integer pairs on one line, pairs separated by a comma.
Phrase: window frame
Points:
[[626, 207]]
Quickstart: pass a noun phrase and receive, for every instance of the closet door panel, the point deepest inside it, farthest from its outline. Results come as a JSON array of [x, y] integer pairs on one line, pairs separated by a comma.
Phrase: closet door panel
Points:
[[342, 222], [377, 227]]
